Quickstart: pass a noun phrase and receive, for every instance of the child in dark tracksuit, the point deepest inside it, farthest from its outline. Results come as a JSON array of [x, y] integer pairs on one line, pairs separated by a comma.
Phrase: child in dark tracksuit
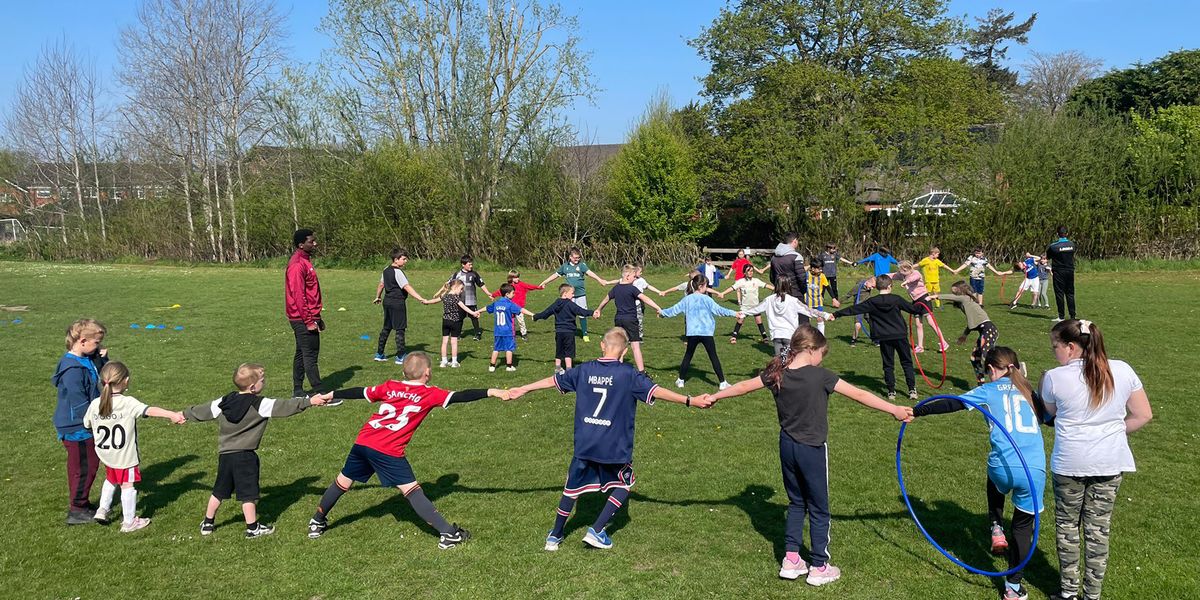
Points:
[[564, 310], [889, 331], [801, 387], [241, 418], [77, 378]]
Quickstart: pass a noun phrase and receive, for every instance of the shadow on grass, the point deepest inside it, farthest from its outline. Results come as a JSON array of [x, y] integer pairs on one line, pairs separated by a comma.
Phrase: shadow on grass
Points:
[[767, 517], [395, 506], [161, 494], [966, 535], [338, 379]]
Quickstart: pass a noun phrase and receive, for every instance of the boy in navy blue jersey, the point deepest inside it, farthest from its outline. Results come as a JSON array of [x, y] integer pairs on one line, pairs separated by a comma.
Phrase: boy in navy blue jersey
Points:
[[506, 312], [626, 295], [606, 394], [565, 309]]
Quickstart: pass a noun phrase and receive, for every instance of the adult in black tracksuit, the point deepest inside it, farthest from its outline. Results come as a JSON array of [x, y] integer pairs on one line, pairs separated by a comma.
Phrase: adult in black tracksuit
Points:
[[392, 291], [889, 331], [1062, 269]]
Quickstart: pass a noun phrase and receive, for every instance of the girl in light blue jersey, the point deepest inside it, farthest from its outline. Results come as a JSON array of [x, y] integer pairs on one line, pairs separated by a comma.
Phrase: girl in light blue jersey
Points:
[[701, 312], [1010, 399]]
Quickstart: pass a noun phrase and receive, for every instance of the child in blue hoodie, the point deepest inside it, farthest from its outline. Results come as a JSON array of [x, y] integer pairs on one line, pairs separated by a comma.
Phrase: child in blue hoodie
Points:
[[77, 378], [700, 310]]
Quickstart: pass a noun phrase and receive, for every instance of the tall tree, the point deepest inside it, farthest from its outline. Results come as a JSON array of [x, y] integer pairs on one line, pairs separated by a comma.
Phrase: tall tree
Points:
[[654, 186], [1050, 78], [850, 36], [476, 76], [53, 119], [986, 44], [1167, 81]]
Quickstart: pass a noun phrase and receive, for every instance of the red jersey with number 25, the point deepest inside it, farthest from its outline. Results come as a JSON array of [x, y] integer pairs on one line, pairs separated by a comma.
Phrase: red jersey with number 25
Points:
[[402, 407]]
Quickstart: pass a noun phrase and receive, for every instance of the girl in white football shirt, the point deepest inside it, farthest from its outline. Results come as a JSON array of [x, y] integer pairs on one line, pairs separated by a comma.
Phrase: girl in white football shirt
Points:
[[113, 420]]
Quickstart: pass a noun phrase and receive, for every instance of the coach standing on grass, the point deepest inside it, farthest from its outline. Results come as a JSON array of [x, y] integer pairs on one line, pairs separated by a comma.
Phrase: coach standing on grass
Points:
[[786, 261], [302, 300], [1062, 268]]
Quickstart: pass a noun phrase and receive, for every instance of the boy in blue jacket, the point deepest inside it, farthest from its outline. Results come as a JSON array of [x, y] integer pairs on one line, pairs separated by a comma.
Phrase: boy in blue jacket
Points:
[[77, 378]]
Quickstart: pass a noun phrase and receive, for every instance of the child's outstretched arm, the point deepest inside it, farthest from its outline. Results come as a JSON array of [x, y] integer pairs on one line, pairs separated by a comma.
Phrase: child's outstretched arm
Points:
[[603, 303], [667, 313], [648, 302], [378, 293], [526, 311], [940, 406], [701, 401], [467, 309], [593, 275], [464, 396], [540, 384], [740, 388], [202, 412], [901, 413], [278, 409], [545, 313], [175, 417], [552, 277]]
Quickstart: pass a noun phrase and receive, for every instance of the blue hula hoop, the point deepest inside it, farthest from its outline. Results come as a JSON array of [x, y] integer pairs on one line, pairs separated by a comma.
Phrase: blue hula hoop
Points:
[[861, 323], [1032, 485]]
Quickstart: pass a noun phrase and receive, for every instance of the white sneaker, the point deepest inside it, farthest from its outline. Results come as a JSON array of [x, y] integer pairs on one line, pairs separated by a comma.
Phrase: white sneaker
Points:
[[793, 570], [724, 385], [444, 363], [134, 525], [510, 368], [454, 364], [492, 369], [823, 575], [101, 516], [678, 383], [1057, 321]]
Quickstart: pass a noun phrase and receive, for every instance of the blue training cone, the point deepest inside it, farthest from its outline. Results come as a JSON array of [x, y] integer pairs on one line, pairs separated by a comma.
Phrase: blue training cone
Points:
[[16, 321], [364, 337], [134, 326], [179, 328]]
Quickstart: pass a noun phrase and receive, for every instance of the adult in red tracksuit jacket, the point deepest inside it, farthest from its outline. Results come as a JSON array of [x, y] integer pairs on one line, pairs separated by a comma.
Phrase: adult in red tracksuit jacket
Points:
[[302, 300]]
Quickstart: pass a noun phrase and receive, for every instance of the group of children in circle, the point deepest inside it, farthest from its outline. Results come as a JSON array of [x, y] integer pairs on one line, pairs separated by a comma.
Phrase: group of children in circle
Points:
[[1087, 392]]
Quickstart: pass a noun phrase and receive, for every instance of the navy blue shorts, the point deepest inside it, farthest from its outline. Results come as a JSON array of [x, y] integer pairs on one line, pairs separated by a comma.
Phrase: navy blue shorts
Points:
[[363, 462], [585, 476], [976, 285], [505, 343], [564, 345]]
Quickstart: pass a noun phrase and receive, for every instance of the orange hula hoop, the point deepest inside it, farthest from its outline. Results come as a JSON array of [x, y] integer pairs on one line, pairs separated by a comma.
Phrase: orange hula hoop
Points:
[[937, 329]]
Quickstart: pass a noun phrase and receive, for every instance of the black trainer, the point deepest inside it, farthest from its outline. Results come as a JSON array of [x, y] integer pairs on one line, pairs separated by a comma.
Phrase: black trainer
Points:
[[454, 538], [81, 517], [207, 527], [316, 528]]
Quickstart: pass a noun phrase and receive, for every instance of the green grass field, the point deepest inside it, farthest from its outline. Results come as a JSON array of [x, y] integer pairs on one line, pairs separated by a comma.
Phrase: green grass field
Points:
[[707, 515]]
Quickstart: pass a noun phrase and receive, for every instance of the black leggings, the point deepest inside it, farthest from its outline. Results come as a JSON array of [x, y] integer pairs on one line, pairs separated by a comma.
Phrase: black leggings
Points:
[[709, 346], [988, 334], [1064, 289], [888, 349]]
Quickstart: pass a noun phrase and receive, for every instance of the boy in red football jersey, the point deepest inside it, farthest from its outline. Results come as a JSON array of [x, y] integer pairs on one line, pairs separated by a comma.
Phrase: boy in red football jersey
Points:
[[520, 290], [379, 448]]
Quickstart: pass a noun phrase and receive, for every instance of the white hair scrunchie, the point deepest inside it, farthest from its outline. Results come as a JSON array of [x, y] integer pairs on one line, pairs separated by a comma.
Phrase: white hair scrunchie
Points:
[[1085, 327]]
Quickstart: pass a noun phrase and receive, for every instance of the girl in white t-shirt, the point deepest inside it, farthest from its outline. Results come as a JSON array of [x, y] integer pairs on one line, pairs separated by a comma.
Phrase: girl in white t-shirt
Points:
[[1096, 403], [113, 420]]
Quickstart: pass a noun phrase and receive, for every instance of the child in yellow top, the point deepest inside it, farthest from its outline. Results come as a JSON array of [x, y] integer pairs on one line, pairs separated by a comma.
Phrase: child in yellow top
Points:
[[931, 267]]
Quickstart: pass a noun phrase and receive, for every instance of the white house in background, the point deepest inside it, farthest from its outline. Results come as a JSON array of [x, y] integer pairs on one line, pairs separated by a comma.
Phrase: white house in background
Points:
[[935, 202]]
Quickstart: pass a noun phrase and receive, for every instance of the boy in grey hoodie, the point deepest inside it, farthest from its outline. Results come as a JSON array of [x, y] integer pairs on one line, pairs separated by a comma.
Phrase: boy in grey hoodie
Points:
[[241, 418]]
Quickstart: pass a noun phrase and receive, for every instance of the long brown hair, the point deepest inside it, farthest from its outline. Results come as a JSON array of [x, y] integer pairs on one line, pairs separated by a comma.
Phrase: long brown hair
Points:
[[961, 288], [111, 375], [1003, 358], [1096, 373], [806, 337], [784, 287]]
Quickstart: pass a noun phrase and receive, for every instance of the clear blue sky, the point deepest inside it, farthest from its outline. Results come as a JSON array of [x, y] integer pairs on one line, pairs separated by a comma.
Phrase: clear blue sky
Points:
[[637, 47]]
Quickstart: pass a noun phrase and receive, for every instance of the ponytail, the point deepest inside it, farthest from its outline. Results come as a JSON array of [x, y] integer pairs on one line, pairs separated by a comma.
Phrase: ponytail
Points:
[[806, 337], [1096, 372], [1005, 359], [111, 375]]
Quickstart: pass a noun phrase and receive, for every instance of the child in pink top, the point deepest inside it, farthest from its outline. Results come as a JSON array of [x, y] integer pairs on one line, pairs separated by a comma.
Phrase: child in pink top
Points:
[[912, 281]]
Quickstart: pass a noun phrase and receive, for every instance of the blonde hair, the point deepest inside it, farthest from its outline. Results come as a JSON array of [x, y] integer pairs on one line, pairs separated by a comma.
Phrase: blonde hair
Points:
[[906, 266], [629, 269], [615, 338], [415, 365], [457, 283], [247, 374], [84, 328], [513, 274], [111, 375]]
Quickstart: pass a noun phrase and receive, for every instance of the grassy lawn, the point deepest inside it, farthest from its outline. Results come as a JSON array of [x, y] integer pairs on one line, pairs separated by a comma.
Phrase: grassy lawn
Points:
[[707, 515]]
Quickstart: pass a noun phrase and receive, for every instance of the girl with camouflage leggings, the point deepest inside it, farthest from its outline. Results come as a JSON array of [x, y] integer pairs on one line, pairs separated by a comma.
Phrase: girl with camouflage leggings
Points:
[[1096, 402]]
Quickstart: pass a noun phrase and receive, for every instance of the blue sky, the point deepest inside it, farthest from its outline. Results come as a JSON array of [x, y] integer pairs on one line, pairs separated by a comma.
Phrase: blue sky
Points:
[[637, 47]]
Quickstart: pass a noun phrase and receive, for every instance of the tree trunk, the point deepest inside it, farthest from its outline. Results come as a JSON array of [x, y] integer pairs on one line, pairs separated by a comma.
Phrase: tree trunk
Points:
[[187, 204], [99, 206], [292, 188]]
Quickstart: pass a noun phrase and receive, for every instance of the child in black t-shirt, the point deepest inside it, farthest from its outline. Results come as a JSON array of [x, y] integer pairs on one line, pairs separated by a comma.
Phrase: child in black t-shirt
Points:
[[801, 388], [453, 313], [627, 296]]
